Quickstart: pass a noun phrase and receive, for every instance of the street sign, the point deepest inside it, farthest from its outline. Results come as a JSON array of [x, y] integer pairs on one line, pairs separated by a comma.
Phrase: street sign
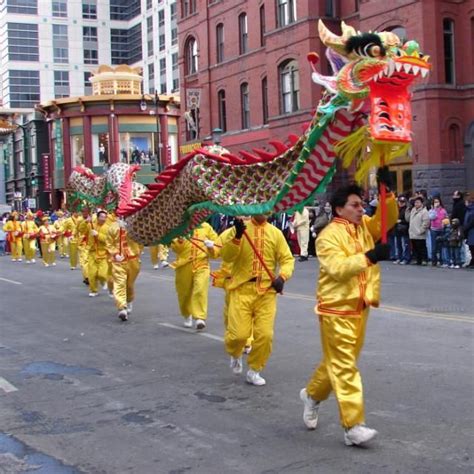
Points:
[[31, 203], [45, 159]]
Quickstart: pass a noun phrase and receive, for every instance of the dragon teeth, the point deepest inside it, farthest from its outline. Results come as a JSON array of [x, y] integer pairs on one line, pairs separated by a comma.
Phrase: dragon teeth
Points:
[[424, 72], [416, 70], [398, 66], [407, 68], [390, 67]]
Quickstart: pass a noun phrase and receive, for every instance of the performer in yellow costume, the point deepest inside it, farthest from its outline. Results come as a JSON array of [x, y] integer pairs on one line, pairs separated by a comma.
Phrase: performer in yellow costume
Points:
[[30, 234], [70, 228], [61, 241], [47, 234], [349, 283], [97, 264], [252, 291], [83, 228], [192, 274], [13, 227], [125, 261], [159, 255], [111, 219]]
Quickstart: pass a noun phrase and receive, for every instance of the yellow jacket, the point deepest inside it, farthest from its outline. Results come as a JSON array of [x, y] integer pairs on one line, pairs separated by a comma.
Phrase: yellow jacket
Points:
[[96, 244], [70, 228], [13, 227], [59, 226], [348, 281], [83, 228], [118, 242], [271, 245], [47, 233], [30, 230], [193, 251]]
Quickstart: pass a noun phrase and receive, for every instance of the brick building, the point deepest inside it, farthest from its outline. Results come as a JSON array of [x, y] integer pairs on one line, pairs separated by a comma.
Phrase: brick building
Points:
[[244, 63]]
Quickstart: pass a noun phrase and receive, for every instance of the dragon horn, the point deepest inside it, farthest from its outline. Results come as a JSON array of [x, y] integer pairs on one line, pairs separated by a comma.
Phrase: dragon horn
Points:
[[329, 39]]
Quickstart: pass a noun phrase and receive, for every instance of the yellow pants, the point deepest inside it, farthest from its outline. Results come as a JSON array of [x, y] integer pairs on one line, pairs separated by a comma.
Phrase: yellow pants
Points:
[[158, 253], [110, 278], [303, 241], [192, 288], [84, 261], [226, 318], [62, 245], [97, 269], [48, 251], [29, 246], [124, 276], [16, 249], [249, 309], [73, 254], [342, 340]]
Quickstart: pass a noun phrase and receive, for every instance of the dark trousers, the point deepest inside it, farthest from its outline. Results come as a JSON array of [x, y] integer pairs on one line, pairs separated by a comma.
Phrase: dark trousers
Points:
[[471, 248], [420, 253]]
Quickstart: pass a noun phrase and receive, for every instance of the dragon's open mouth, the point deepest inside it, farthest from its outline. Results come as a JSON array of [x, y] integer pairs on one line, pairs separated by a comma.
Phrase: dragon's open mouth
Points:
[[390, 116]]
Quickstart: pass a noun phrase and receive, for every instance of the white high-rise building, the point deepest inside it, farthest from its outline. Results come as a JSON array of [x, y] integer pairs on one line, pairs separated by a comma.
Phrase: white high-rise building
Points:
[[50, 47]]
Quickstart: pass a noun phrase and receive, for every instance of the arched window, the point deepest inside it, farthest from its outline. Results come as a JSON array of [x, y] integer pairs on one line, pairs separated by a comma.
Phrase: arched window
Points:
[[219, 43], [454, 139], [448, 40], [243, 33], [330, 8], [222, 110], [265, 100], [400, 31], [286, 12], [188, 7], [191, 56], [245, 105], [289, 86]]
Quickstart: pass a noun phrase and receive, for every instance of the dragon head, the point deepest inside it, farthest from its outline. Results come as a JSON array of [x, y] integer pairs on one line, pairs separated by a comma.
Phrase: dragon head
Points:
[[373, 73]]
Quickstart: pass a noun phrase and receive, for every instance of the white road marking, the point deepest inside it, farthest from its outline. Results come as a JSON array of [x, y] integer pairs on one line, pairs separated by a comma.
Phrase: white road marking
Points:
[[6, 386], [162, 277], [11, 281], [190, 331]]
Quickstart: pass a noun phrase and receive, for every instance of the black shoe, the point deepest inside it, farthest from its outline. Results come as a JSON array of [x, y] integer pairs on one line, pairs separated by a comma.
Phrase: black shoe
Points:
[[86, 281], [302, 259]]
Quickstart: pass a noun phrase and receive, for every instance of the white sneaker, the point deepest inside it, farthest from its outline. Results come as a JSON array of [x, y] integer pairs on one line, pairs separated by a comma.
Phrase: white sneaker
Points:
[[200, 324], [359, 434], [188, 322], [155, 267], [111, 294], [53, 264], [46, 265], [247, 350], [123, 315], [19, 260], [73, 268], [105, 287], [28, 262], [311, 408], [92, 294], [165, 264], [129, 307], [236, 365], [33, 260], [13, 259], [254, 378], [456, 266], [395, 262]]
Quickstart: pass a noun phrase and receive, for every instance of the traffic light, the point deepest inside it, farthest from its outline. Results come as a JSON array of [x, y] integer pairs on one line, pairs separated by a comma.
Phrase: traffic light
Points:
[[33, 179]]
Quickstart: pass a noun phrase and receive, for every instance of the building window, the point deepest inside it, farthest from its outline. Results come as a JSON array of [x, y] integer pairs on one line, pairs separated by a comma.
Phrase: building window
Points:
[[455, 148], [174, 36], [163, 67], [150, 47], [26, 7], [174, 61], [163, 87], [161, 42], [149, 25], [222, 110], [289, 86], [87, 83], [149, 4], [91, 56], [243, 33], [151, 78], [448, 37], [61, 84], [245, 105], [24, 88], [191, 56], [89, 34], [161, 18], [124, 10], [286, 12], [219, 43], [126, 45], [173, 11], [188, 7], [265, 100], [60, 44], [262, 25], [89, 9], [175, 85], [59, 8], [22, 42], [61, 55], [330, 8]]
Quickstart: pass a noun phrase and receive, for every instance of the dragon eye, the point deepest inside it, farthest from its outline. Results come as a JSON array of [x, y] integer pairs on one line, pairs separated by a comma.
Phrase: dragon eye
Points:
[[371, 50]]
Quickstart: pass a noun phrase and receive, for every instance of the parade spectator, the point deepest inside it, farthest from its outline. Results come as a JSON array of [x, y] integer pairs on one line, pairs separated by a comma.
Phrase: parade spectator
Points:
[[437, 213], [468, 227], [455, 242], [400, 232], [312, 234], [459, 207], [301, 226], [419, 223], [3, 242]]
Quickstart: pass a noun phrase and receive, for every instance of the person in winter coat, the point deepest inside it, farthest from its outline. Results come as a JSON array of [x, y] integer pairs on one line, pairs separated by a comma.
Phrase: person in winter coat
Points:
[[437, 213], [402, 240], [459, 207], [455, 241], [419, 223], [468, 227]]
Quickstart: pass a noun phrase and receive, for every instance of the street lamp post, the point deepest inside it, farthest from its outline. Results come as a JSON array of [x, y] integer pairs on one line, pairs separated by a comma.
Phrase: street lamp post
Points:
[[158, 145], [217, 135]]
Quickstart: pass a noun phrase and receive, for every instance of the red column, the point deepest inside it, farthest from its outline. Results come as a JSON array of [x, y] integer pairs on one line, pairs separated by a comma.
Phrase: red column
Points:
[[52, 166], [87, 132], [114, 141], [67, 150], [165, 156]]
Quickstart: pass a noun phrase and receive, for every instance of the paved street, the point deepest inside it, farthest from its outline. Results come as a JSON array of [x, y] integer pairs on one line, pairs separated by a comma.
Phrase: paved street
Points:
[[81, 392]]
